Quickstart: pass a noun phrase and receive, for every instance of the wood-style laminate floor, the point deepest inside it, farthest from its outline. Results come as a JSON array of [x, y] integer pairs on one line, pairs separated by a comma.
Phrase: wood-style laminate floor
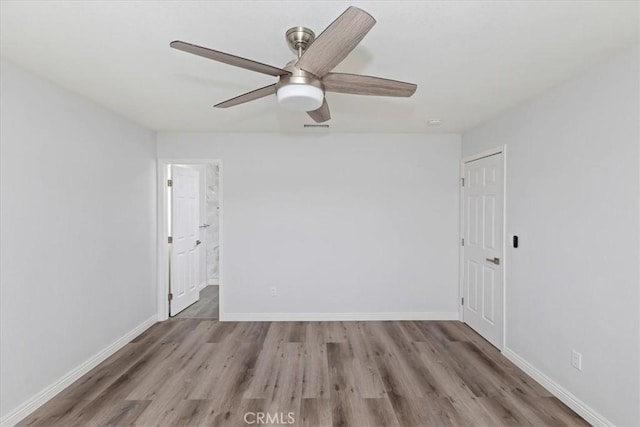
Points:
[[205, 308], [206, 373]]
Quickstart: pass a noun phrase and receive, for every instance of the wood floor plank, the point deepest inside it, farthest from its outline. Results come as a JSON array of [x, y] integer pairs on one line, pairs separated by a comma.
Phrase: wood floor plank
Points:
[[53, 412], [123, 412], [296, 331], [340, 377], [255, 332], [398, 366], [334, 332], [449, 384], [171, 387], [474, 412], [380, 413], [496, 373], [103, 404], [211, 371], [90, 386], [558, 412], [409, 411], [202, 372], [504, 413], [470, 373], [361, 363], [205, 308], [315, 413], [269, 363], [233, 413], [183, 363], [236, 373], [155, 332], [223, 331], [287, 395], [192, 413], [429, 385], [180, 332], [348, 409], [315, 380]]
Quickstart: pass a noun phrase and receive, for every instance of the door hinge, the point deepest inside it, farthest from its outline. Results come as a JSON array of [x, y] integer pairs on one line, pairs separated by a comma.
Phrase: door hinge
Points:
[[170, 296], [462, 301], [462, 181], [169, 183], [463, 241], [170, 239]]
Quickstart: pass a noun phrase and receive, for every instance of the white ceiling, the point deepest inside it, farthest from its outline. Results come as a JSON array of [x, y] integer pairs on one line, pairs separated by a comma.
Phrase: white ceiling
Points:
[[471, 60]]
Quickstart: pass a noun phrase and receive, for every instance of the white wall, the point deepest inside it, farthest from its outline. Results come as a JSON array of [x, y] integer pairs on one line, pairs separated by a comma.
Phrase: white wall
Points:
[[349, 224], [77, 264], [572, 197]]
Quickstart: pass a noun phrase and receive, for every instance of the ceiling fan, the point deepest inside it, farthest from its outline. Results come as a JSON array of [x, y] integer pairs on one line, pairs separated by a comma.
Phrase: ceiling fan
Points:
[[303, 82]]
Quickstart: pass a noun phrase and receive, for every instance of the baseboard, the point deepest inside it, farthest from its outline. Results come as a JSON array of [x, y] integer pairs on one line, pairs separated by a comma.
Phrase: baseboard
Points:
[[581, 408], [66, 380], [313, 317]]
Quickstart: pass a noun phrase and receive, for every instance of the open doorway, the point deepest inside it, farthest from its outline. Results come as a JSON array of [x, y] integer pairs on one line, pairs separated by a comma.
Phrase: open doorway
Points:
[[189, 224]]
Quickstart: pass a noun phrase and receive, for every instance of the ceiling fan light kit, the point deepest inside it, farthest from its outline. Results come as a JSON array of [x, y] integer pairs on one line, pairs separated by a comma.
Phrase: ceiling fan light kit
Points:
[[300, 97], [299, 91], [302, 83]]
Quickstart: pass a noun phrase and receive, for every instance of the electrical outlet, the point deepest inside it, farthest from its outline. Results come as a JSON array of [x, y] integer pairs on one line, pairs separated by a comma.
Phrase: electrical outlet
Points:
[[576, 360], [274, 291]]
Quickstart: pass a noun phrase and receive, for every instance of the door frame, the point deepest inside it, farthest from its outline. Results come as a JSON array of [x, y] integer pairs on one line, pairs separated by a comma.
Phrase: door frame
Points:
[[162, 241], [477, 156]]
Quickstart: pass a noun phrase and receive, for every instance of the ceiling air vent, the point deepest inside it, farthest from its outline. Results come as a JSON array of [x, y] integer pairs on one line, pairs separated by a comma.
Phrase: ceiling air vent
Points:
[[322, 126]]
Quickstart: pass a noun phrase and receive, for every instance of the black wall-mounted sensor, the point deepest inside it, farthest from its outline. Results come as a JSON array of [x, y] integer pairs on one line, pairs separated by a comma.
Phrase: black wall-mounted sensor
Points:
[[515, 241]]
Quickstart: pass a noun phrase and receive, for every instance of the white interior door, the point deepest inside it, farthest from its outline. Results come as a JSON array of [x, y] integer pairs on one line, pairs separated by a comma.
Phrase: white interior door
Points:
[[185, 219], [483, 266]]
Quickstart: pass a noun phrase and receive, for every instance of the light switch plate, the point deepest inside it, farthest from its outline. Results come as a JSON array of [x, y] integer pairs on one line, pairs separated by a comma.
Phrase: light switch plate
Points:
[[576, 360]]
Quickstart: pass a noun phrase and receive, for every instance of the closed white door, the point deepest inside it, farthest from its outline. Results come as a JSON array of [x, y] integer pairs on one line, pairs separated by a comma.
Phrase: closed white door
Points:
[[185, 219], [483, 266]]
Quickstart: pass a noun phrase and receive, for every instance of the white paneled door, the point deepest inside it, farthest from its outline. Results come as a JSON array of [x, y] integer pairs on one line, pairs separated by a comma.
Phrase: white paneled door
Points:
[[483, 266], [185, 219]]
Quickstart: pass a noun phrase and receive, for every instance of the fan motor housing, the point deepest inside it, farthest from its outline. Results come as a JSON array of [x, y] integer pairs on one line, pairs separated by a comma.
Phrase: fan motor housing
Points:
[[300, 90]]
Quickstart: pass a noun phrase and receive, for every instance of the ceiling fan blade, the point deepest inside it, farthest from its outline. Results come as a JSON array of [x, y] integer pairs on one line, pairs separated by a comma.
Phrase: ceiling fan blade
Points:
[[366, 85], [227, 58], [249, 96], [322, 114], [336, 41]]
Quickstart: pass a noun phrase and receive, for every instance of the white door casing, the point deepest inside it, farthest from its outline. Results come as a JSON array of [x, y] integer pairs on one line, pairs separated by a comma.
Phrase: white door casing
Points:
[[482, 251], [185, 221], [202, 248]]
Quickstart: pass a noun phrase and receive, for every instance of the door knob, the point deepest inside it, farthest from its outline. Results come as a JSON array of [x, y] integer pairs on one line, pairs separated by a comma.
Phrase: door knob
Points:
[[198, 242], [496, 260]]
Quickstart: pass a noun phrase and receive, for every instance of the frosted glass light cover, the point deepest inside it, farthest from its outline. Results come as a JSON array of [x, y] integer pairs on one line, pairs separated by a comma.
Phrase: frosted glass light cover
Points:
[[300, 97]]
